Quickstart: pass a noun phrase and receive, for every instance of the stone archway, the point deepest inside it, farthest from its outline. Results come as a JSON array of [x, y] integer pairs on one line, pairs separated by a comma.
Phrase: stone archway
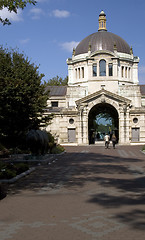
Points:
[[102, 108]]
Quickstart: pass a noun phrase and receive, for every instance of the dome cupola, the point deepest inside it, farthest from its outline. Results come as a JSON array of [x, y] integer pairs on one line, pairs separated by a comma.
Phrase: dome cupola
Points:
[[102, 40], [102, 21]]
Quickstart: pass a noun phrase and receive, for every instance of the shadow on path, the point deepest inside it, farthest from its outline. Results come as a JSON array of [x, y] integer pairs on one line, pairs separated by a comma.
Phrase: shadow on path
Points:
[[75, 169]]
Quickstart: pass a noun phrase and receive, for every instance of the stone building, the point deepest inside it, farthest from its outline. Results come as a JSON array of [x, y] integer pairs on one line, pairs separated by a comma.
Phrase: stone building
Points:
[[103, 78]]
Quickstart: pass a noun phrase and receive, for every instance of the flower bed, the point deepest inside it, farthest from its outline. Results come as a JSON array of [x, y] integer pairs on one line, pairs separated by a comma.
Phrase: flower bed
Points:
[[11, 170]]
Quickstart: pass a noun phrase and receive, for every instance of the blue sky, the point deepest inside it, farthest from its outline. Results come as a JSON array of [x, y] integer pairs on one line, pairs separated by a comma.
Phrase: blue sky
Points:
[[47, 32]]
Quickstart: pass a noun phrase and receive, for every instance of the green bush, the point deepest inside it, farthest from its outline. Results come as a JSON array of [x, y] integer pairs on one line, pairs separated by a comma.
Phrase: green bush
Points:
[[21, 167], [1, 147], [143, 148], [10, 170], [50, 137], [3, 191], [58, 149], [4, 152], [2, 165], [7, 174], [51, 143]]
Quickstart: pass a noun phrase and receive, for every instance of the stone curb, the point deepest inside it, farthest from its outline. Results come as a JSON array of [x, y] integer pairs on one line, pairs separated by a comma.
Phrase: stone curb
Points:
[[143, 151], [48, 158], [12, 180]]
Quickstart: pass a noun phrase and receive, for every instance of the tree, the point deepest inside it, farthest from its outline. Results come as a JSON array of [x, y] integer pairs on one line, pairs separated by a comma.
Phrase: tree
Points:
[[106, 116], [22, 97], [57, 81], [13, 6]]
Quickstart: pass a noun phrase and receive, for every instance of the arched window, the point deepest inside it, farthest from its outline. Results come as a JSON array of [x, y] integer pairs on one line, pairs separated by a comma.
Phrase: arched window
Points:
[[94, 70], [102, 67]]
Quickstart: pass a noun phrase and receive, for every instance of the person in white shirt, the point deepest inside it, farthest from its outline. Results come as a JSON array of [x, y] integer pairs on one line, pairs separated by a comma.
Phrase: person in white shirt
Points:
[[106, 139]]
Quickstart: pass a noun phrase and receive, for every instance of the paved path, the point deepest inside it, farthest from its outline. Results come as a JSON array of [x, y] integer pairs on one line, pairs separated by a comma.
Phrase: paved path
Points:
[[89, 193]]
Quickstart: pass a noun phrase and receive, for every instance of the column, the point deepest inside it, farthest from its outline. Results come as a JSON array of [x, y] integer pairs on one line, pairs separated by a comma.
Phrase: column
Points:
[[124, 124], [115, 68], [121, 126], [85, 125], [80, 129], [127, 125]]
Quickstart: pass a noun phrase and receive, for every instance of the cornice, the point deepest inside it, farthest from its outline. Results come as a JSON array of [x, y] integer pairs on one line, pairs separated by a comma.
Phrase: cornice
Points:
[[103, 92]]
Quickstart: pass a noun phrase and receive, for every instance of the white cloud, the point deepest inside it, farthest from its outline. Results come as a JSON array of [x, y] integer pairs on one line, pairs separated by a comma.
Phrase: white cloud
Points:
[[69, 45], [24, 41], [36, 13], [60, 13], [4, 13]]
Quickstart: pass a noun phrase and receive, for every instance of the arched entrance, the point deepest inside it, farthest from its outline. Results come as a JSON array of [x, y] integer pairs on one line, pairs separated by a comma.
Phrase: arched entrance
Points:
[[108, 111]]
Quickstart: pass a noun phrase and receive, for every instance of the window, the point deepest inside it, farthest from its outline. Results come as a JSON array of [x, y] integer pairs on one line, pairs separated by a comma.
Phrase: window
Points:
[[129, 72], [54, 104], [126, 72], [76, 72], [82, 72], [79, 72], [135, 120], [71, 120], [94, 70], [110, 69], [102, 68], [122, 71]]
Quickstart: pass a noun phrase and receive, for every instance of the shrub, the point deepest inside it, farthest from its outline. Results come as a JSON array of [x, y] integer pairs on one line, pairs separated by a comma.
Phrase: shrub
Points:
[[51, 143], [21, 167], [4, 152], [3, 191], [143, 148], [58, 149], [10, 170], [7, 174], [50, 137]]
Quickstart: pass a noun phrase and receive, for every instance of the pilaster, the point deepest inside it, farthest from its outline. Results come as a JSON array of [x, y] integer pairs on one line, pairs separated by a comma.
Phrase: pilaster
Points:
[[124, 124], [85, 126], [80, 128], [115, 67]]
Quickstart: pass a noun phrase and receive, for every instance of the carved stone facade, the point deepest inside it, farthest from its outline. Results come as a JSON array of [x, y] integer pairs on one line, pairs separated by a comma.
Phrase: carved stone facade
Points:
[[103, 76]]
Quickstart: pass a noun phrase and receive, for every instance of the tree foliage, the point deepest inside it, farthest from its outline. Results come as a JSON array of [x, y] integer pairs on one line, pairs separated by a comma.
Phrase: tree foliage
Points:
[[104, 128], [106, 116], [13, 6], [57, 81], [22, 96]]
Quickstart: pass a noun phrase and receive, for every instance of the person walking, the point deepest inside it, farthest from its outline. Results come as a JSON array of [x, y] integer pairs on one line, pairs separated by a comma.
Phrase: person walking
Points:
[[106, 139], [113, 140]]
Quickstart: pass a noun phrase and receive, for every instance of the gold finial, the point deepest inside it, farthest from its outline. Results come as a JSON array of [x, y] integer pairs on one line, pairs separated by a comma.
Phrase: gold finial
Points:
[[89, 48], [131, 50], [102, 21], [74, 51]]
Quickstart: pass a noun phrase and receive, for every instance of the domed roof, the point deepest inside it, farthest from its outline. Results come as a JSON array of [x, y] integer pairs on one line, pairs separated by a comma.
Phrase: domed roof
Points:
[[102, 40]]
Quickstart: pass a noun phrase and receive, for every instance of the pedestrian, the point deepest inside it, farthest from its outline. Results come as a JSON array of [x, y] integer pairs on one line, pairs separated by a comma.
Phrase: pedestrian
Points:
[[106, 139], [113, 140]]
